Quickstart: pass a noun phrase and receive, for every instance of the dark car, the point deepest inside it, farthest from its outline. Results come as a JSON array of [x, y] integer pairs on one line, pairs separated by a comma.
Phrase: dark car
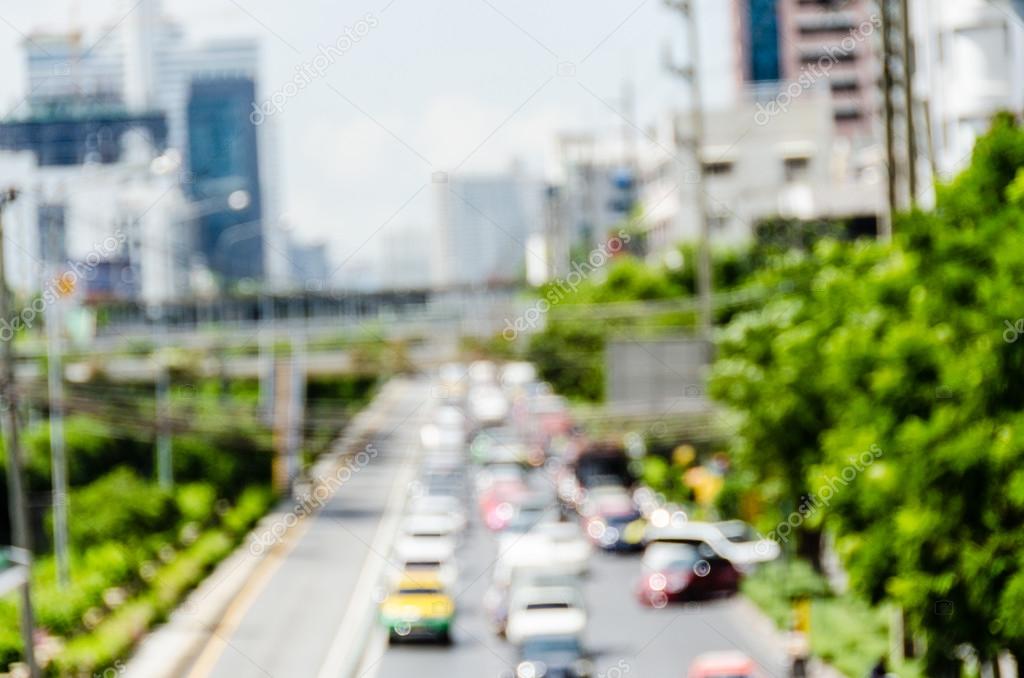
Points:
[[553, 657], [616, 527], [678, 571]]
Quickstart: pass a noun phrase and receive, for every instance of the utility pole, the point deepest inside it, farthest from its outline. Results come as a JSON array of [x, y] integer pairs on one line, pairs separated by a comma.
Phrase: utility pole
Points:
[[55, 386], [15, 479], [898, 99], [265, 338], [164, 452], [889, 116], [691, 74], [908, 96], [297, 408]]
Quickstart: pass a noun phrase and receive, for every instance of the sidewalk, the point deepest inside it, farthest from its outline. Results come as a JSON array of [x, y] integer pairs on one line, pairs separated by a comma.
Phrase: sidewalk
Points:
[[169, 650]]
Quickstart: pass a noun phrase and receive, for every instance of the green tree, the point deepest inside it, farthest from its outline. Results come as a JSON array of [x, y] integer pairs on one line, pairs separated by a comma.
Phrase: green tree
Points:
[[881, 380]]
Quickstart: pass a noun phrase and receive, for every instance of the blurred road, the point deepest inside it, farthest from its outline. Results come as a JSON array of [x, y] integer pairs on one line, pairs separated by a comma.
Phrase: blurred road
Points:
[[626, 640], [315, 613], [286, 623]]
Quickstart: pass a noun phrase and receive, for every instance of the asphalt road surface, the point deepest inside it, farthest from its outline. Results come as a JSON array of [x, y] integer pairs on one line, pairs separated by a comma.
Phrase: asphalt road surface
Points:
[[314, 613], [291, 626], [625, 639]]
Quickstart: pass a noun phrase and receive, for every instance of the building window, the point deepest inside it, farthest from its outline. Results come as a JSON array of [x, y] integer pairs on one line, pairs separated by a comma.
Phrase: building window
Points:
[[718, 168], [844, 85], [718, 222], [847, 114], [796, 169], [763, 28]]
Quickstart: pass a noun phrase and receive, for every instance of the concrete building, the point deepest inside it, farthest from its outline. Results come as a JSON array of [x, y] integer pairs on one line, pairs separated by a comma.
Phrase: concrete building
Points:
[[404, 261], [120, 228], [970, 65], [146, 65], [794, 165], [483, 225], [812, 41], [596, 193]]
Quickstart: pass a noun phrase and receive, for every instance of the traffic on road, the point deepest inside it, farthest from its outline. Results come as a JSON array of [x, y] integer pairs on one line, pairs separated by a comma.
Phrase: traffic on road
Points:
[[528, 549]]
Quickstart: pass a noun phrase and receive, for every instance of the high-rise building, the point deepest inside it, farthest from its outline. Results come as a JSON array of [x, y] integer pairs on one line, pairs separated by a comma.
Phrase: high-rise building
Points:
[[793, 167], [223, 161], [836, 42], [970, 65], [484, 223], [148, 72], [760, 25], [598, 189], [403, 265], [810, 43], [119, 228]]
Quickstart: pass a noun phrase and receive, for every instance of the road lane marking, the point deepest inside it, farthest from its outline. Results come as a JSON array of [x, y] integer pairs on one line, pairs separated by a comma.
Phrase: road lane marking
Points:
[[218, 641], [343, 655], [238, 607]]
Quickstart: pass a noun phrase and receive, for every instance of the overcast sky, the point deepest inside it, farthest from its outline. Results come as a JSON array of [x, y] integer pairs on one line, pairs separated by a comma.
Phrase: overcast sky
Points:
[[435, 85]]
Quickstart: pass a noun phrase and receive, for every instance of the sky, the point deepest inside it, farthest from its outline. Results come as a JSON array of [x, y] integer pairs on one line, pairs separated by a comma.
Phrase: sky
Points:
[[430, 86]]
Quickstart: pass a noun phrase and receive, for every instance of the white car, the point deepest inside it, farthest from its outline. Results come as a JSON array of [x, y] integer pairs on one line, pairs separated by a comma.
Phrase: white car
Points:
[[439, 506], [431, 526], [556, 548], [568, 547], [745, 546], [528, 517], [426, 538], [434, 437], [545, 611], [452, 382], [487, 405], [498, 473], [517, 375], [424, 549], [483, 372], [733, 540]]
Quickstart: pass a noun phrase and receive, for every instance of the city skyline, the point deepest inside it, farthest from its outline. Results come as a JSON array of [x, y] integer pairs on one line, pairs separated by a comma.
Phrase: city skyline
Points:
[[385, 149]]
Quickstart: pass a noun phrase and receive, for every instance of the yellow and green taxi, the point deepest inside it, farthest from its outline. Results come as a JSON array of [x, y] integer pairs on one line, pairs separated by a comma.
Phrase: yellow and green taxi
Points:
[[418, 607]]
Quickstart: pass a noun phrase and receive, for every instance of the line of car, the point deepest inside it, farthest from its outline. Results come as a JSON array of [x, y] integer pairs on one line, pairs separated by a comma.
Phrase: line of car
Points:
[[550, 497]]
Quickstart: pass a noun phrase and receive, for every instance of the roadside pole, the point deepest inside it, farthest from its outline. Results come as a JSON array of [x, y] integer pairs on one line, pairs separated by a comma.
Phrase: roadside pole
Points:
[[15, 479], [58, 459], [164, 453], [691, 74]]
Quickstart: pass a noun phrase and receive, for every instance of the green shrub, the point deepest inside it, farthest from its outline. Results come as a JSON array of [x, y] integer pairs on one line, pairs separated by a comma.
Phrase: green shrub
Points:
[[195, 501], [112, 639], [92, 573], [119, 506], [92, 449], [229, 460], [115, 636], [10, 634], [252, 504]]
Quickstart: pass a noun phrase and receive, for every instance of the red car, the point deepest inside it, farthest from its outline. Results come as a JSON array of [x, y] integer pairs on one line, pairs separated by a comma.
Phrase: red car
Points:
[[674, 571], [723, 665]]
